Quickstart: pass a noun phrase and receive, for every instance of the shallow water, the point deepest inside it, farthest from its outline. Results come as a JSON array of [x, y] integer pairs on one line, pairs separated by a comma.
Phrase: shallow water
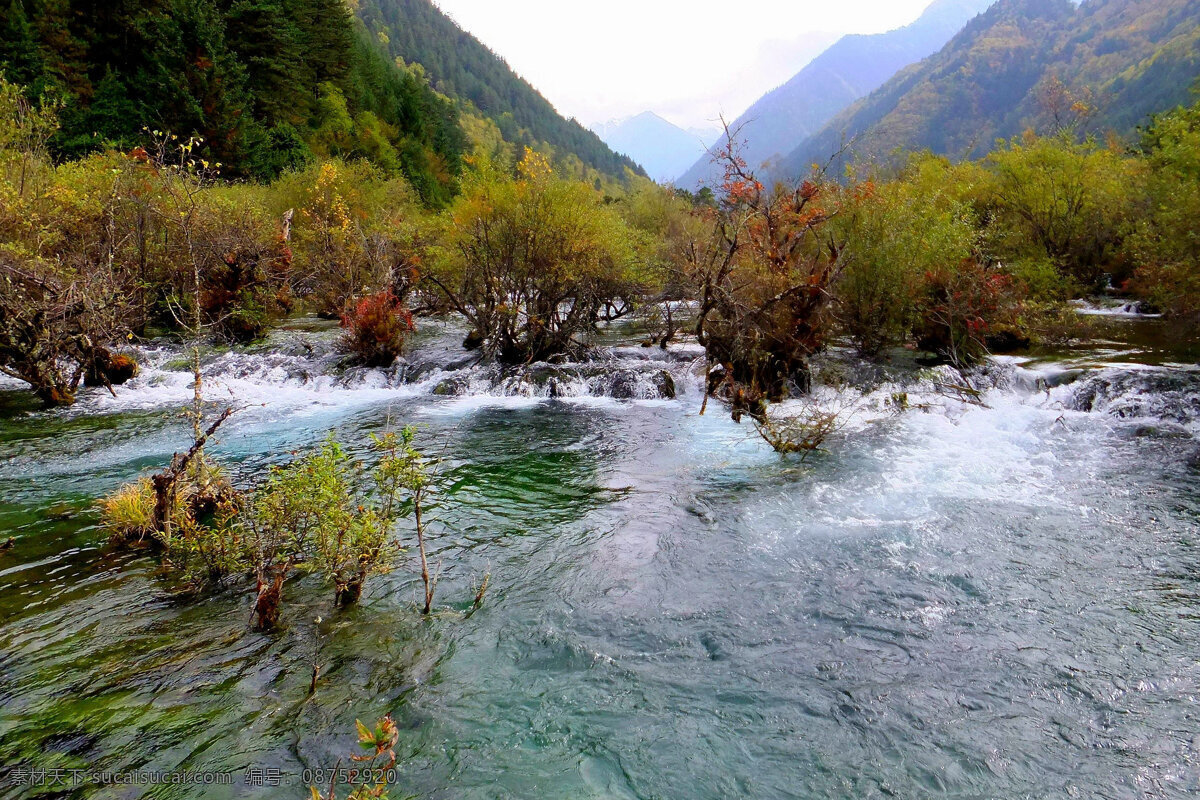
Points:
[[957, 601]]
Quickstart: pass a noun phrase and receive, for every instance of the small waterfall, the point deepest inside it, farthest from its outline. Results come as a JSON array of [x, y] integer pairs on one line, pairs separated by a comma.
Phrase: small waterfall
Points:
[[1140, 393], [297, 368]]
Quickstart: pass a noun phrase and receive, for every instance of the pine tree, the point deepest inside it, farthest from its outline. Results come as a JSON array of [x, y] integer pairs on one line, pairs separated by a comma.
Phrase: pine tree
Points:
[[19, 58]]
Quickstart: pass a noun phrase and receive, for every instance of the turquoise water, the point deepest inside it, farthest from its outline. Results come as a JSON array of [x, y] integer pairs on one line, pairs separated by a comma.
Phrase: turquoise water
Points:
[[960, 601]]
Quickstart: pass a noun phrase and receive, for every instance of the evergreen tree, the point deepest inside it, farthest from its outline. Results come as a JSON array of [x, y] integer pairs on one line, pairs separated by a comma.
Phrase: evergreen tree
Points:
[[19, 57]]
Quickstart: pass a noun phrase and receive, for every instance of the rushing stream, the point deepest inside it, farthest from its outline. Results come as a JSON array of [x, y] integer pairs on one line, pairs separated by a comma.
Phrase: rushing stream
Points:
[[996, 600]]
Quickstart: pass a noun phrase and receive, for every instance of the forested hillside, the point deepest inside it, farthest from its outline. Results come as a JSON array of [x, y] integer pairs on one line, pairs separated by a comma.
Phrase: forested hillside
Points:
[[461, 66], [270, 85], [1042, 64], [852, 67], [267, 84]]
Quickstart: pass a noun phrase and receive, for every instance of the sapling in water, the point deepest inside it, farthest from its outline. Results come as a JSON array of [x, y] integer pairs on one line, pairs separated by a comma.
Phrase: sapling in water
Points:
[[376, 764], [315, 514], [404, 469]]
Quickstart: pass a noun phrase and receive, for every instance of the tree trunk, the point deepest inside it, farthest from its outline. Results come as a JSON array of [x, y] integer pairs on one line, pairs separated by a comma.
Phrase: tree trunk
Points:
[[350, 592], [54, 396], [270, 602], [424, 560]]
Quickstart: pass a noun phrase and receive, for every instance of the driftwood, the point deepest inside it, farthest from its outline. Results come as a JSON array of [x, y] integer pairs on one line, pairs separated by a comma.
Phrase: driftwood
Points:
[[964, 394]]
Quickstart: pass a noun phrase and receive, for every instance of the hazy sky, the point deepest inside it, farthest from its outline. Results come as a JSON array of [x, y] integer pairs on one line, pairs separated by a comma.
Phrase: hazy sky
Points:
[[688, 60]]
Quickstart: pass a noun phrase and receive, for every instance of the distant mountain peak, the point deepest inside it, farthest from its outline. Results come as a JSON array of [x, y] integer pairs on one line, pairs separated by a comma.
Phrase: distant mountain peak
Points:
[[662, 148]]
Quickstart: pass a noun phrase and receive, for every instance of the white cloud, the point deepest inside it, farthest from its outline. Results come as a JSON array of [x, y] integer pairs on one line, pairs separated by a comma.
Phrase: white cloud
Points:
[[688, 60]]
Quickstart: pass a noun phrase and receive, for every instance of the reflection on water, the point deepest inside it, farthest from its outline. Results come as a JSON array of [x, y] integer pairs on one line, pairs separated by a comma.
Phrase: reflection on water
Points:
[[971, 602]]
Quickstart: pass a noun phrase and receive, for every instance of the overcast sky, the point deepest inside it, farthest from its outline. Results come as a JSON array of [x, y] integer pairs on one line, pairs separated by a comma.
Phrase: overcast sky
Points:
[[688, 60]]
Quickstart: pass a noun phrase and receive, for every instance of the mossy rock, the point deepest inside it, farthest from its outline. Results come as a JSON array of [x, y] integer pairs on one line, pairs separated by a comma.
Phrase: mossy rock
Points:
[[451, 387], [108, 369], [666, 385]]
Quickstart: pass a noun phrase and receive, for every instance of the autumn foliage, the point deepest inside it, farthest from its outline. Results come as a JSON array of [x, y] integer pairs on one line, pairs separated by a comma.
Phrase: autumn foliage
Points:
[[763, 278], [375, 328]]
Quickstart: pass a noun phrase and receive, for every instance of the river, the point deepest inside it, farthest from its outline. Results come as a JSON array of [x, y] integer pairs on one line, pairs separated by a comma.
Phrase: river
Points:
[[996, 599]]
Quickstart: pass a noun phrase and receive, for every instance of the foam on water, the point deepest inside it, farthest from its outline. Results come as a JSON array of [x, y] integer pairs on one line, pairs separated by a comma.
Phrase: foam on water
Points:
[[1117, 309]]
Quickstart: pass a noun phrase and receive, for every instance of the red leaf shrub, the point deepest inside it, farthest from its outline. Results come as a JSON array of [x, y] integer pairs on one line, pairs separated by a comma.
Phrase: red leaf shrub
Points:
[[963, 308], [375, 329]]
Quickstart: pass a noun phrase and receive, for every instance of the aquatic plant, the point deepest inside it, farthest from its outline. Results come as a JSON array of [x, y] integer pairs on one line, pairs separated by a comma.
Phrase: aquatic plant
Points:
[[128, 513], [206, 544], [377, 763], [403, 469], [803, 430], [326, 512]]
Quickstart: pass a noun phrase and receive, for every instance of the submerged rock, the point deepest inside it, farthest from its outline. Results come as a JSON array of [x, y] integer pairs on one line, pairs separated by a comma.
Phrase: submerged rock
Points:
[[623, 385], [1161, 394], [666, 385], [452, 387], [1161, 432]]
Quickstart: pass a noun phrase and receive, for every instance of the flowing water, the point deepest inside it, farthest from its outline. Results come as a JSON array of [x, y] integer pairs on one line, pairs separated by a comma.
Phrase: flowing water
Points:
[[996, 600]]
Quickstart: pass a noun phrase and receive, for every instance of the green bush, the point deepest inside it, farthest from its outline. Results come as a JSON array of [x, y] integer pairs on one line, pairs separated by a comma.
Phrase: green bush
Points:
[[898, 234], [1165, 246]]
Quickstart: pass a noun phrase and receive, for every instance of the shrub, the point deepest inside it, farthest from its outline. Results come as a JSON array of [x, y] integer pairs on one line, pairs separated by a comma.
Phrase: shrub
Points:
[[763, 274], [1165, 246], [802, 433], [1038, 279], [375, 329], [239, 301], [1060, 201], [531, 263], [960, 308], [203, 549], [320, 513], [402, 469], [198, 535], [353, 233], [64, 292], [1172, 287], [1054, 324], [325, 512], [896, 233]]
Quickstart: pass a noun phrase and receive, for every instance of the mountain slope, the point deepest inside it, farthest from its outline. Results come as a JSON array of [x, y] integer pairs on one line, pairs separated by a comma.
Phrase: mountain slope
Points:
[[663, 149], [267, 84], [1026, 64], [854, 66], [461, 66]]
